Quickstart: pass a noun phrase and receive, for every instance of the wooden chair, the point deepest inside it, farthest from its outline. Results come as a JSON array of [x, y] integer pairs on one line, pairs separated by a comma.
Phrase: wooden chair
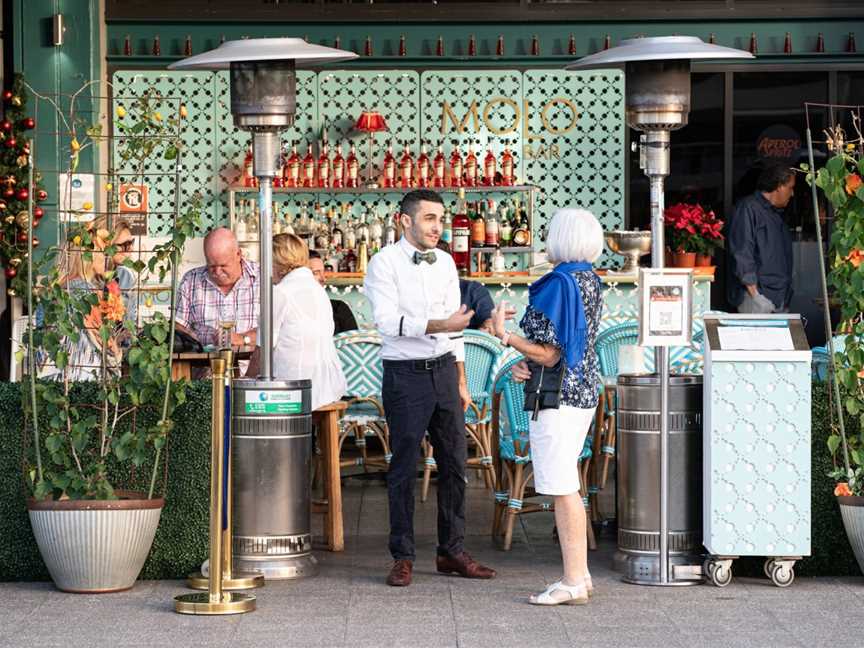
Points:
[[482, 352]]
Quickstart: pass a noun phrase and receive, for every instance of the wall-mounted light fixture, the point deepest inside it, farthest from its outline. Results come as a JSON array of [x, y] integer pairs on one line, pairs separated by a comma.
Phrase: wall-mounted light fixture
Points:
[[57, 28]]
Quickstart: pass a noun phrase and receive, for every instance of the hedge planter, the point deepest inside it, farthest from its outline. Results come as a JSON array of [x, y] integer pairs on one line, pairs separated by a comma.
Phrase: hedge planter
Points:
[[95, 546], [852, 511]]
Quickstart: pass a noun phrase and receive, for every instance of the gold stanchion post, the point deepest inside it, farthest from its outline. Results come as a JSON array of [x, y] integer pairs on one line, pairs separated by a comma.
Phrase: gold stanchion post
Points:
[[215, 600], [231, 580]]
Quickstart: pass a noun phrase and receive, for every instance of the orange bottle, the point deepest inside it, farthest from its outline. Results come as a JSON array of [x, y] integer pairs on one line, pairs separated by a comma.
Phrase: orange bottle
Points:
[[389, 166], [324, 166], [308, 168], [439, 169], [490, 167], [507, 177], [352, 169], [423, 168], [406, 169], [249, 179], [291, 170], [338, 169], [470, 168], [455, 168]]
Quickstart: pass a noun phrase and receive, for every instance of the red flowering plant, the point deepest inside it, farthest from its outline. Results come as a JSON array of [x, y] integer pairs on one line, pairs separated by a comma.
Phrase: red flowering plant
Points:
[[689, 228]]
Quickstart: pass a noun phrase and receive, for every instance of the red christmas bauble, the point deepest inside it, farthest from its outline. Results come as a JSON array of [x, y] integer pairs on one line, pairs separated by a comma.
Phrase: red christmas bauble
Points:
[[22, 194], [10, 273], [28, 123], [41, 195], [6, 125], [38, 212], [7, 95], [22, 237], [10, 143], [9, 192]]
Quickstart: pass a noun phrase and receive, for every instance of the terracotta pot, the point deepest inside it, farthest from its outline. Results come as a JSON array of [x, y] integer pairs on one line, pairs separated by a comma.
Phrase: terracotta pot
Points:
[[667, 257], [684, 259], [704, 260]]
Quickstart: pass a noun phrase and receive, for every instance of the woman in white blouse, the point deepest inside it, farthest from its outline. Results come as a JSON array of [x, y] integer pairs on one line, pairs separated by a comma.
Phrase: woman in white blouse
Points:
[[303, 324]]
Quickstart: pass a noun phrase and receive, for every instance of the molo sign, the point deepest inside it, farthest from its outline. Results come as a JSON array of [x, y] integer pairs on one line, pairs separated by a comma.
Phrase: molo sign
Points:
[[778, 142]]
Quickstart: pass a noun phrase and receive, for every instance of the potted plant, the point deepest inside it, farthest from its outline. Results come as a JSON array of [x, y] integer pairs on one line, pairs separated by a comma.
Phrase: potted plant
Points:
[[842, 181], [93, 536], [693, 234]]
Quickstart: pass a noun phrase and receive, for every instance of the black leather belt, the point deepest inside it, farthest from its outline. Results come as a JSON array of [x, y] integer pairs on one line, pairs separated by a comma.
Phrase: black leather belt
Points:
[[425, 364]]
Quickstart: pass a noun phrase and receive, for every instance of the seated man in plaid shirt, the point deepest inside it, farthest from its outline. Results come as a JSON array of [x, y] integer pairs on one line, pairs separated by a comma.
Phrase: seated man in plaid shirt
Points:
[[225, 290]]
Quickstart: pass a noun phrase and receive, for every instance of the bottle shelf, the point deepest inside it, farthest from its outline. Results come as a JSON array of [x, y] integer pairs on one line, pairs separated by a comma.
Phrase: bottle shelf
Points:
[[514, 249], [386, 190]]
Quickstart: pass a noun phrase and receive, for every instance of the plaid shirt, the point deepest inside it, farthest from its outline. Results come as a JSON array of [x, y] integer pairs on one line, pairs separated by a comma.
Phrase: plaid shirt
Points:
[[201, 306]]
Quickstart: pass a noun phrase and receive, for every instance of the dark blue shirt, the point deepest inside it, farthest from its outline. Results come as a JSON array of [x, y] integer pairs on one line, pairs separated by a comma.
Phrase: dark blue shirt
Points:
[[477, 298], [759, 251]]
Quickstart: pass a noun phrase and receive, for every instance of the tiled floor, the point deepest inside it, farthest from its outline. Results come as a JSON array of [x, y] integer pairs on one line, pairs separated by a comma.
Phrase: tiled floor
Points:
[[348, 604]]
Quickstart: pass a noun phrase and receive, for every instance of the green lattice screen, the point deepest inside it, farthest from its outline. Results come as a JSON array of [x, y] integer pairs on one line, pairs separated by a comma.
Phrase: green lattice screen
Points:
[[573, 164]]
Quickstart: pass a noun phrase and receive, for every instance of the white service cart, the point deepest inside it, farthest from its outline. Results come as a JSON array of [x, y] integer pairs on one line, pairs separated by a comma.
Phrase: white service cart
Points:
[[756, 444]]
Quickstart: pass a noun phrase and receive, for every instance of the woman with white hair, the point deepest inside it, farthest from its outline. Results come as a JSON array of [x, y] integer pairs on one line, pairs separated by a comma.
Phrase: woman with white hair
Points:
[[560, 325]]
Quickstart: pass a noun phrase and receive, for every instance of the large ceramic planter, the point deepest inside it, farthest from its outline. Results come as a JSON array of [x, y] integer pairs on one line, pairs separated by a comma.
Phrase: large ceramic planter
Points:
[[95, 546], [852, 511], [684, 259]]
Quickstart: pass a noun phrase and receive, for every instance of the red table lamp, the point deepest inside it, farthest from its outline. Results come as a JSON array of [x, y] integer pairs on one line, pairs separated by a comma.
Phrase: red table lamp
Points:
[[370, 121]]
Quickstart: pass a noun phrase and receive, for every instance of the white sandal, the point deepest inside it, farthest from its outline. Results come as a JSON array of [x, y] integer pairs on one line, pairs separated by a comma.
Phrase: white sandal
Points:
[[589, 586], [577, 595]]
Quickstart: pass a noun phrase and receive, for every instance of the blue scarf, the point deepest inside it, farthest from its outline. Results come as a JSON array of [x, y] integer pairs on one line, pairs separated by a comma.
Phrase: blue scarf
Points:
[[556, 294]]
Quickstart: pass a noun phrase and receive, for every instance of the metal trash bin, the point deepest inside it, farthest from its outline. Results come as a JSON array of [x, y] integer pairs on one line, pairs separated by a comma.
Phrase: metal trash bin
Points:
[[271, 445], [638, 424]]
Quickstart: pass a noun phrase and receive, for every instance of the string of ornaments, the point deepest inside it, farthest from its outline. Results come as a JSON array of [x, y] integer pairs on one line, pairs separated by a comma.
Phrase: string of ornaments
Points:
[[14, 181]]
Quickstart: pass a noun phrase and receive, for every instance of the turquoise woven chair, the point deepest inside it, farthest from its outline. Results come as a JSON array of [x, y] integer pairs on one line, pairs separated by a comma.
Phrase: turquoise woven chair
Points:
[[514, 453], [359, 353], [482, 352], [607, 345]]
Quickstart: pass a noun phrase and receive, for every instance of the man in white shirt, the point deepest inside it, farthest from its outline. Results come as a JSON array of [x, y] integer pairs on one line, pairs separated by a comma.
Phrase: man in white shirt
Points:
[[414, 292]]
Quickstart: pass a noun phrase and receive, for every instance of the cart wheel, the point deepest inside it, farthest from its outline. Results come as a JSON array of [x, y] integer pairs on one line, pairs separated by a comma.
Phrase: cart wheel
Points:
[[707, 567], [782, 576], [768, 567], [721, 575]]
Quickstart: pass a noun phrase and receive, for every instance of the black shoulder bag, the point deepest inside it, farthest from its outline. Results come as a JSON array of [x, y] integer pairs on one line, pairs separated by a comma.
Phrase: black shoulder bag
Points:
[[543, 389]]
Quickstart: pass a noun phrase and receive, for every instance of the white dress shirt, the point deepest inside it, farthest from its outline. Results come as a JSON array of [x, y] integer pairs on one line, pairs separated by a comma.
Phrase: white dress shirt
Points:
[[405, 296], [303, 337]]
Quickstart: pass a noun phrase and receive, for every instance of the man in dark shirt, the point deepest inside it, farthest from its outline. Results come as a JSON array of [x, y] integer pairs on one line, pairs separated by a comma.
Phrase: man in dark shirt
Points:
[[343, 318], [759, 246]]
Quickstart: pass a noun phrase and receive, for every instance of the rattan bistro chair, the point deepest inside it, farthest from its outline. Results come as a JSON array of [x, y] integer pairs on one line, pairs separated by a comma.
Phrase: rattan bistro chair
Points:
[[482, 352], [360, 356], [514, 450]]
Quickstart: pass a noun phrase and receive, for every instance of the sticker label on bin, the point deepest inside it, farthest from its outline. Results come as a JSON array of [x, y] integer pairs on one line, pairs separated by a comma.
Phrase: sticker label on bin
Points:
[[274, 402]]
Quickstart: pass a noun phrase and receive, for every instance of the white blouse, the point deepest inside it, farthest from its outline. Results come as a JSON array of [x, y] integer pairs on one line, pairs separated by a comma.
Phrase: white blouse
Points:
[[303, 337]]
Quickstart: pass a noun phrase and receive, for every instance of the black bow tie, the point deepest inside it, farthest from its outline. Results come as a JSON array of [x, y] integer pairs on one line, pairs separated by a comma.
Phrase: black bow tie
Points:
[[428, 257]]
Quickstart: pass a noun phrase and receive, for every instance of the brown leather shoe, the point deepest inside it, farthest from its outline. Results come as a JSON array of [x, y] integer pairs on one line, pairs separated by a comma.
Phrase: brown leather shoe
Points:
[[464, 565], [400, 573]]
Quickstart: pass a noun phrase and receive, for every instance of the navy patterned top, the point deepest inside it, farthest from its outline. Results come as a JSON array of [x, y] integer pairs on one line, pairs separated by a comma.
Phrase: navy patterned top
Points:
[[575, 391]]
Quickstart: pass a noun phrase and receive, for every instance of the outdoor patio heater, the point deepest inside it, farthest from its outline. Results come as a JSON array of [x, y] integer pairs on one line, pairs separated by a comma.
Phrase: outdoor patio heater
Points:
[[271, 436], [657, 101]]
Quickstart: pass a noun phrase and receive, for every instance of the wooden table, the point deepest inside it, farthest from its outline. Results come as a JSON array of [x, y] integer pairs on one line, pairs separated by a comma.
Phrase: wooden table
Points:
[[183, 363], [326, 420]]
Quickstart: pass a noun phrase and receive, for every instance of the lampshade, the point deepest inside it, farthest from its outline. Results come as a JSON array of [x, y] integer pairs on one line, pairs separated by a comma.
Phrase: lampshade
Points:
[[370, 121]]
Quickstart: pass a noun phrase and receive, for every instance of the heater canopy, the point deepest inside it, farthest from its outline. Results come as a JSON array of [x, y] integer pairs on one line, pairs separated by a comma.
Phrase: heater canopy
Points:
[[658, 48], [263, 50]]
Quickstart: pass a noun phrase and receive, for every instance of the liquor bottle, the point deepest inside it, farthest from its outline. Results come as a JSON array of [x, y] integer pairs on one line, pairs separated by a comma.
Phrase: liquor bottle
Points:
[[362, 258], [277, 179], [389, 167], [352, 168], [390, 232], [851, 48], [363, 230], [472, 46], [461, 235], [447, 228], [470, 167], [308, 167], [439, 46], [478, 225], [337, 42], [787, 43], [571, 45], [291, 170], [492, 231], [253, 217], [157, 49], [521, 233], [324, 165], [402, 48], [423, 167], [490, 167], [754, 47], [507, 167], [349, 262], [322, 231], [376, 233], [505, 229], [439, 169], [367, 48], [820, 43], [712, 38], [303, 225], [187, 47], [499, 46], [331, 263], [535, 45], [276, 228], [406, 169], [240, 221], [455, 168], [249, 179], [337, 236], [288, 227], [350, 236], [338, 169], [607, 42], [498, 263], [127, 45]]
